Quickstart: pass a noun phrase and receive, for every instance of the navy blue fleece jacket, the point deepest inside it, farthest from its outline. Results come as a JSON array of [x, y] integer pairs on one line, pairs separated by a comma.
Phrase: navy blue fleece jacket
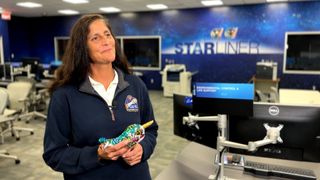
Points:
[[78, 117]]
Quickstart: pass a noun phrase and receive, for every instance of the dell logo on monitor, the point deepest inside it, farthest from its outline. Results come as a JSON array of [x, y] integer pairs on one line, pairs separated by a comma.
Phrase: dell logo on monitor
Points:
[[274, 110]]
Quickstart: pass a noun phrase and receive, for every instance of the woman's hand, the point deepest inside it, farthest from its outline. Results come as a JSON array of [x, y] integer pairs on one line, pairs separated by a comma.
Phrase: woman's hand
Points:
[[113, 152], [134, 155]]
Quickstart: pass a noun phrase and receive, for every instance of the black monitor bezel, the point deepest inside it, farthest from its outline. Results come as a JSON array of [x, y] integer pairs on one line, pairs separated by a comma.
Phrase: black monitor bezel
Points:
[[297, 127]]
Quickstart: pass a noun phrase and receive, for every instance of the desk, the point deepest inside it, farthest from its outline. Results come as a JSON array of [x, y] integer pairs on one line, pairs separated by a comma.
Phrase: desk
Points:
[[196, 162], [299, 97], [39, 85], [4, 83]]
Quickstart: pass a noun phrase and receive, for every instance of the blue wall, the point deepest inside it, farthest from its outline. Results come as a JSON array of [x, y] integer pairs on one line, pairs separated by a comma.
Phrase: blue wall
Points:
[[188, 38], [5, 38], [34, 37]]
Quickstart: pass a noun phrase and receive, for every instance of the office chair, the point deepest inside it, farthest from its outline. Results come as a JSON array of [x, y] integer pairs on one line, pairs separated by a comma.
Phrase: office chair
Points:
[[5, 154], [273, 96], [17, 93], [5, 121], [262, 96], [33, 101]]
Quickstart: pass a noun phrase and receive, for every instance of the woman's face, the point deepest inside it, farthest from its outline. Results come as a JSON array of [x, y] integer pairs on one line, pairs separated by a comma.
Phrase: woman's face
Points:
[[101, 43]]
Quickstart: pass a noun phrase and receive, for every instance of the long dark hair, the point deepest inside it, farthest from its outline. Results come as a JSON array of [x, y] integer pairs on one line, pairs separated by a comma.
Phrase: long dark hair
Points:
[[76, 61]]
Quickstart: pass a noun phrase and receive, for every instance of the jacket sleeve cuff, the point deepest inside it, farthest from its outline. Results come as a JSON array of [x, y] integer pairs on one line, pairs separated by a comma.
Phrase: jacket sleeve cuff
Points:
[[90, 155]]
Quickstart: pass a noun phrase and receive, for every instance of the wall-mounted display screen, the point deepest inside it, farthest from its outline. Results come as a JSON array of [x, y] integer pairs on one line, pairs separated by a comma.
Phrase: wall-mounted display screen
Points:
[[60, 45], [302, 53], [143, 52]]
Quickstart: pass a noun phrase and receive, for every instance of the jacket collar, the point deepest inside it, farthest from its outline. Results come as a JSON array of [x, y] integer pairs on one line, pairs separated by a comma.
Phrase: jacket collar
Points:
[[86, 86]]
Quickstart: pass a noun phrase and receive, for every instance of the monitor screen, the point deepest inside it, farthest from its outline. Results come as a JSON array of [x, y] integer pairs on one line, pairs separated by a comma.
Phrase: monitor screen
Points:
[[300, 134], [119, 40], [302, 53], [16, 64], [35, 67], [32, 61], [223, 98], [2, 71], [182, 105], [53, 68], [60, 46], [8, 70], [142, 52]]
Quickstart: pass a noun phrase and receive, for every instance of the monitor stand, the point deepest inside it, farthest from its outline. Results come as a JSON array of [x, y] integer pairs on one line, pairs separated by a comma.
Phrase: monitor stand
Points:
[[272, 137]]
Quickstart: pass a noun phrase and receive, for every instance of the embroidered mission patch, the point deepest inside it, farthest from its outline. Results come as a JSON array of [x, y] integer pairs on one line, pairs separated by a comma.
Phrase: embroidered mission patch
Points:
[[131, 104]]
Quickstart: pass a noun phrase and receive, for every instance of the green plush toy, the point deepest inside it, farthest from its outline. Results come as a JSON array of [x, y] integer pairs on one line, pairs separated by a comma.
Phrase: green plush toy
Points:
[[134, 133]]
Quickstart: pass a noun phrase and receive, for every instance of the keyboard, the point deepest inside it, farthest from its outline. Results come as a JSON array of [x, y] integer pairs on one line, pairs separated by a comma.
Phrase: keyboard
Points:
[[263, 169]]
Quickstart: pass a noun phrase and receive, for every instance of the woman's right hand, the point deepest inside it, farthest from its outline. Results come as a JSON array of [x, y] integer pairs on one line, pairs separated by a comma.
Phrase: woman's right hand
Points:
[[113, 152]]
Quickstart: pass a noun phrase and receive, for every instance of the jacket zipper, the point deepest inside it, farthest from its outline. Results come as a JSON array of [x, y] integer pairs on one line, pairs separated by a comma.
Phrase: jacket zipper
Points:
[[112, 113], [113, 117]]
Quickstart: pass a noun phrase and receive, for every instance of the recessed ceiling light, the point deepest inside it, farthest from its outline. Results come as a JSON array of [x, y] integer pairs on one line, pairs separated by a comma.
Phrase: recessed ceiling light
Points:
[[157, 6], [76, 1], [29, 4], [212, 3], [128, 15], [276, 0], [109, 9], [68, 12]]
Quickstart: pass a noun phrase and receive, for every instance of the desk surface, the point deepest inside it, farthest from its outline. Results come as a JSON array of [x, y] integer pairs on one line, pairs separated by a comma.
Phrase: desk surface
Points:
[[196, 162], [299, 96], [40, 85]]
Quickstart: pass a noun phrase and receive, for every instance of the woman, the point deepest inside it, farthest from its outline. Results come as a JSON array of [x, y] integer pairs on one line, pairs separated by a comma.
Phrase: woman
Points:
[[95, 96]]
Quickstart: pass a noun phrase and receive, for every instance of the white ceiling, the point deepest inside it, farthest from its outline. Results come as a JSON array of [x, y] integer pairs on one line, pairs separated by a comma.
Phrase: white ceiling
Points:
[[50, 7]]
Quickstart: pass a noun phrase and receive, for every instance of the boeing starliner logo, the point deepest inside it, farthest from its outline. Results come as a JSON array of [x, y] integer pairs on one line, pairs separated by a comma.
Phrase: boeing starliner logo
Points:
[[274, 110], [222, 41]]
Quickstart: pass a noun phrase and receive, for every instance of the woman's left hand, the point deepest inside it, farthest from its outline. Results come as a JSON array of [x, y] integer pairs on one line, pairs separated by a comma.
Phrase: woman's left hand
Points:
[[134, 155]]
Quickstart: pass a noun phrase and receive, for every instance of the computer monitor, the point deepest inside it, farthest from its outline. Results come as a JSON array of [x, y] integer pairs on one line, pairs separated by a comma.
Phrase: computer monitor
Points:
[[223, 98], [35, 67], [8, 71], [53, 68], [16, 64], [2, 72], [300, 134], [182, 105], [32, 61]]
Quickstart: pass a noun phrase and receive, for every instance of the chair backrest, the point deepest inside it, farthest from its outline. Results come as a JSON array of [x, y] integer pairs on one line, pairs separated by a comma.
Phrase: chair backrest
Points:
[[18, 91], [274, 94], [26, 79], [262, 97], [4, 99]]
